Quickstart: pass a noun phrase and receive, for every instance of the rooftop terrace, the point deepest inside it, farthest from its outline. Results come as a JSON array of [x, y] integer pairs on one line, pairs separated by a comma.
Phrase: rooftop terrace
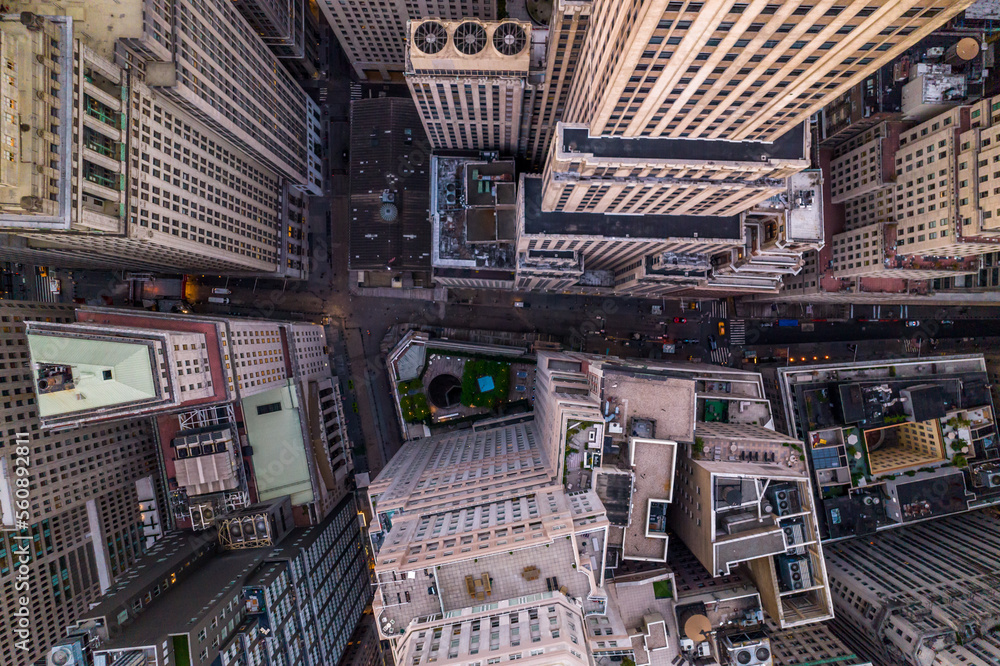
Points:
[[667, 402], [514, 574], [653, 463]]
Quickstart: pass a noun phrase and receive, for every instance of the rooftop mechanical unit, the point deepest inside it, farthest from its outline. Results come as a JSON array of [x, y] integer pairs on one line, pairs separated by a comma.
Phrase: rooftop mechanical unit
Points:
[[751, 648], [795, 572], [247, 531]]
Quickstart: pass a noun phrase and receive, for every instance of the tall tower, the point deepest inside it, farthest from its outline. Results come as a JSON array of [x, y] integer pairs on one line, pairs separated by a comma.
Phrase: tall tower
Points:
[[564, 43], [94, 498], [373, 34], [468, 80], [713, 97], [925, 594], [150, 169]]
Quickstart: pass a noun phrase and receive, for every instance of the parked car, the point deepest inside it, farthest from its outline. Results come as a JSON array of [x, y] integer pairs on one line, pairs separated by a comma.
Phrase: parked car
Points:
[[221, 290], [522, 374], [216, 299], [913, 323], [520, 389]]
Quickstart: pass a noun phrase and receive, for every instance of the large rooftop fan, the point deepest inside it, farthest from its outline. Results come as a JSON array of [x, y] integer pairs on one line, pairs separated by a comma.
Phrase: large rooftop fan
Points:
[[509, 38], [430, 37], [470, 38]]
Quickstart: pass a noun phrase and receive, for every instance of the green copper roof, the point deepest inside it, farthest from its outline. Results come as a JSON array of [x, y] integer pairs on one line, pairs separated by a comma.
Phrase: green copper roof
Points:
[[281, 467]]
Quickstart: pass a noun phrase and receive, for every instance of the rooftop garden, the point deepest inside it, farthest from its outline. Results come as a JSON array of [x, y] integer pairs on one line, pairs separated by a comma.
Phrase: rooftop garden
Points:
[[662, 589], [413, 401], [485, 383]]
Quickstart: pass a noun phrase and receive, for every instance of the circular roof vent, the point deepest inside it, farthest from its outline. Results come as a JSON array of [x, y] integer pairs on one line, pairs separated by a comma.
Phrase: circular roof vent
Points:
[[763, 654], [744, 657], [470, 38], [430, 37], [509, 39], [61, 656], [388, 212]]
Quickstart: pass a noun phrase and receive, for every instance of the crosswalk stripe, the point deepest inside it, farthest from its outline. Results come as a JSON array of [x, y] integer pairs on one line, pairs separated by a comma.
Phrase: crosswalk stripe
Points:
[[719, 309], [43, 292], [720, 355], [737, 332]]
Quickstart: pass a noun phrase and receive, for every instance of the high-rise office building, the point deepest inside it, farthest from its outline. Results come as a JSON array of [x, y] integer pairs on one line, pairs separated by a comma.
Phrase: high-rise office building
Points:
[[925, 594], [152, 171], [95, 498], [495, 542], [280, 24], [468, 80], [811, 645], [929, 448], [293, 598], [563, 46], [683, 79], [246, 410], [694, 116], [918, 201], [373, 34]]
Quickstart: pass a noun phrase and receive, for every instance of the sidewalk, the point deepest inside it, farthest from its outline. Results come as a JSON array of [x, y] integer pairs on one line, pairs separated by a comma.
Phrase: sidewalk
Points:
[[414, 294]]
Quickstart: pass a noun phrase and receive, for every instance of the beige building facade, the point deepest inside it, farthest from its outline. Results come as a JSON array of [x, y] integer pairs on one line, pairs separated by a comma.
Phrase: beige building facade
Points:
[[661, 70], [373, 34], [137, 180], [468, 79], [564, 46], [920, 596], [95, 496]]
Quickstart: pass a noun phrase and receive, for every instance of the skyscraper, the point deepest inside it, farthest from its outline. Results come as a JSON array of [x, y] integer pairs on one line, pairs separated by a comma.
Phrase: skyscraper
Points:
[[494, 542], [925, 594], [246, 410], [682, 79], [293, 599], [468, 80], [692, 115], [373, 34], [162, 173], [95, 497]]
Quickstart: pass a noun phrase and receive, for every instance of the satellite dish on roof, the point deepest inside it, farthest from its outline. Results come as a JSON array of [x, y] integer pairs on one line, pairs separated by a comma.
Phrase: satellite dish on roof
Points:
[[698, 628]]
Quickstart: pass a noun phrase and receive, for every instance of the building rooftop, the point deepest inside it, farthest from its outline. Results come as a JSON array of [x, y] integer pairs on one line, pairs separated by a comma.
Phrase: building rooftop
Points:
[[890, 442], [389, 186], [473, 214], [913, 499], [666, 402], [454, 586], [805, 214], [182, 606], [789, 146], [280, 458], [704, 227], [75, 373], [653, 463]]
